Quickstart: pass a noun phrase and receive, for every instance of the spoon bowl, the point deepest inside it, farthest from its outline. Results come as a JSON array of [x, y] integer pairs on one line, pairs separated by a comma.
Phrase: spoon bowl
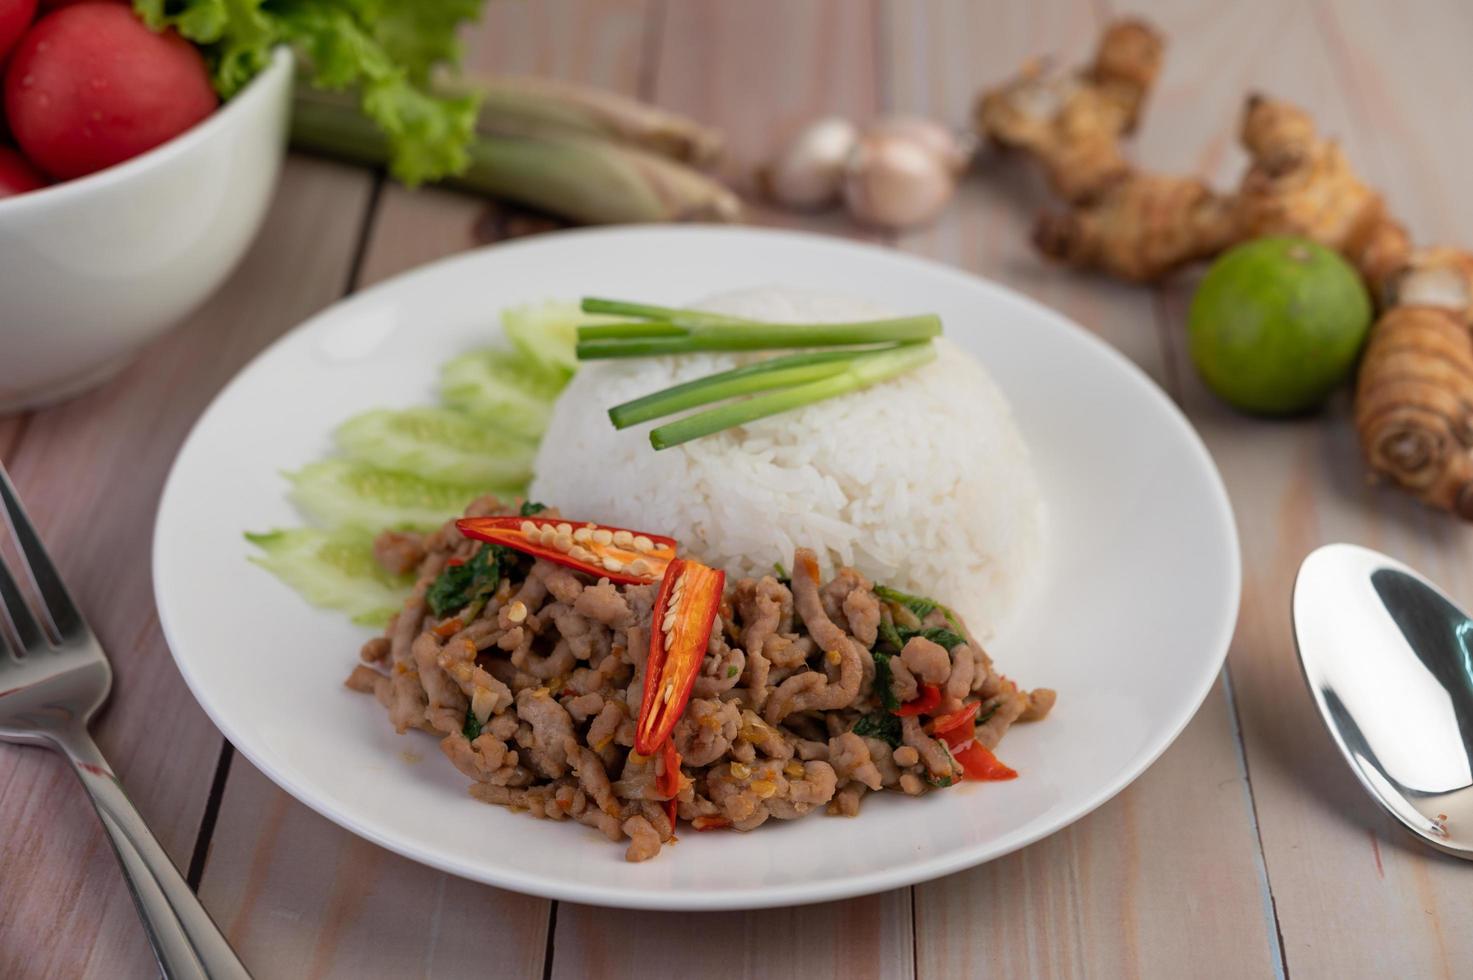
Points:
[[1389, 661]]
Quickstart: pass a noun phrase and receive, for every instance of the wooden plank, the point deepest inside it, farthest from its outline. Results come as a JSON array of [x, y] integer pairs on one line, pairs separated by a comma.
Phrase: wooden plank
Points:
[[12, 427], [1120, 893], [1355, 896], [91, 471], [301, 895], [859, 939]]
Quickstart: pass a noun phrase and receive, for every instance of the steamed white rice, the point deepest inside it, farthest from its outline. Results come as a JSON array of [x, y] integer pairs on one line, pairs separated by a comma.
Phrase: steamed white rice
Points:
[[923, 483]]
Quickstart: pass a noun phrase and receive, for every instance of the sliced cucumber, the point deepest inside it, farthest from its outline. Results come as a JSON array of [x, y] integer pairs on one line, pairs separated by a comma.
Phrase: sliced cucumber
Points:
[[343, 493], [504, 388], [548, 332], [437, 444], [333, 570]]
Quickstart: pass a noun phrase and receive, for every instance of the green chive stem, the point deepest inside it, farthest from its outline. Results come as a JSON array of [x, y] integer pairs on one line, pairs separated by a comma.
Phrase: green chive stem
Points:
[[727, 336], [648, 311], [778, 372], [859, 373]]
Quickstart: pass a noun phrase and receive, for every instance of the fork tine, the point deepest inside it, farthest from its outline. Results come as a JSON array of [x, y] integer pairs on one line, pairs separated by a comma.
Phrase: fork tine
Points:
[[63, 611], [27, 630]]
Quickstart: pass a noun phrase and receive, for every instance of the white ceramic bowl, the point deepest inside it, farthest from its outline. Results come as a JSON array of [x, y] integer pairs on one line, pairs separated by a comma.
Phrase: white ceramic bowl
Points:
[[92, 269]]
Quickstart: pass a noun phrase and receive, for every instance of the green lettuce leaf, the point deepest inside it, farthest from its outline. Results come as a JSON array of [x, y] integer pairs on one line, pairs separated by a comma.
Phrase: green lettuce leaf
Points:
[[386, 50]]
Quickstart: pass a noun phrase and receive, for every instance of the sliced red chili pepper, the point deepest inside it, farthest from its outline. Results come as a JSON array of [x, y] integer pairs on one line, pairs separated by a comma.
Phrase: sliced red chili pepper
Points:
[[958, 737], [979, 763], [448, 628], [957, 719], [616, 553], [685, 610], [669, 781], [710, 823], [923, 703], [455, 563]]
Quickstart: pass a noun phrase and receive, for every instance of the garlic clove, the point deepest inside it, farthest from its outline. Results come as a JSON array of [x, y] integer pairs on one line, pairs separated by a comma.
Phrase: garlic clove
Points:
[[953, 149], [896, 181], [809, 172]]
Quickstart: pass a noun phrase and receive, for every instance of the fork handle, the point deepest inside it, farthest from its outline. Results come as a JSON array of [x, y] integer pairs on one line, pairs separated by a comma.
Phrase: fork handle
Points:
[[185, 939]]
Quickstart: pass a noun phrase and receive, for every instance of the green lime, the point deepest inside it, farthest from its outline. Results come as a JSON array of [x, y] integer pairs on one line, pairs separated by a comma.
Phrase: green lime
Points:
[[1276, 325]]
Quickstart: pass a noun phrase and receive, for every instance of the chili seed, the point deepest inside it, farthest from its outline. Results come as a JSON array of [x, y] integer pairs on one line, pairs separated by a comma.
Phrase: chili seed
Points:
[[834, 656], [741, 771], [613, 564], [639, 567], [623, 539], [642, 544], [529, 529], [582, 535], [603, 536], [764, 788], [563, 542], [516, 612], [794, 769], [565, 529]]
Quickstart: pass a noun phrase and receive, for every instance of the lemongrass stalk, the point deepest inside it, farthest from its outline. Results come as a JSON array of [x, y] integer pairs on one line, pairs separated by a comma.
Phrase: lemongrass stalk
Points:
[[860, 373], [736, 336], [586, 180], [531, 106], [777, 372]]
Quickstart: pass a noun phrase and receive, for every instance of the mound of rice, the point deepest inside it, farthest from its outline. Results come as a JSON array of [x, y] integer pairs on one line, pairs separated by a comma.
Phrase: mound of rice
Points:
[[923, 483]]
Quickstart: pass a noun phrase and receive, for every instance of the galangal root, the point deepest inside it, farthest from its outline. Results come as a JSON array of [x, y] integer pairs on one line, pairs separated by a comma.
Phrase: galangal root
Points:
[[1414, 392], [1072, 123]]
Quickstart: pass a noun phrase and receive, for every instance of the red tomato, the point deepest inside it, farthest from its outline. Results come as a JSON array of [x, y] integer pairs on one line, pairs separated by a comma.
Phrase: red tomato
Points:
[[15, 17], [90, 86], [17, 175]]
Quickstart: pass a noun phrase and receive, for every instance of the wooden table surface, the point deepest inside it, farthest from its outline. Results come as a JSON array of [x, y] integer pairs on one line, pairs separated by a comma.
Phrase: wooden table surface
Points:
[[1247, 850]]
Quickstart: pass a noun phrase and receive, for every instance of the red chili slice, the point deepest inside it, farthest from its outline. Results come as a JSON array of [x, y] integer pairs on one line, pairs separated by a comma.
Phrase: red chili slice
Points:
[[685, 610], [955, 720], [979, 763], [448, 628], [669, 781], [616, 553], [710, 823], [924, 703]]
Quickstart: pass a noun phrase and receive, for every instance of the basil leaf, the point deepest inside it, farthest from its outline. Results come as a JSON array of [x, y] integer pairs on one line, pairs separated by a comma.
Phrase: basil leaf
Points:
[[881, 725]]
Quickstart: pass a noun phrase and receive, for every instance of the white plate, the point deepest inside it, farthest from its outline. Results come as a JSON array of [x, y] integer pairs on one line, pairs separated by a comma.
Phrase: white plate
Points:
[[1130, 619]]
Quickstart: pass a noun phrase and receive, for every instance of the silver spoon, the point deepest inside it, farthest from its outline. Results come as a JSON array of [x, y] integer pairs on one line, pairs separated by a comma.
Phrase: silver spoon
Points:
[[1389, 661]]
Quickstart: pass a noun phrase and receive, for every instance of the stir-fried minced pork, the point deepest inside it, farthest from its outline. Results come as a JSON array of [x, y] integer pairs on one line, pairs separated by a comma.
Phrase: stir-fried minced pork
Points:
[[534, 683]]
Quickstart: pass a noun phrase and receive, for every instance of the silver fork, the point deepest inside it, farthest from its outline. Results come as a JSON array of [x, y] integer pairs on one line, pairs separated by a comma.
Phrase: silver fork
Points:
[[49, 689]]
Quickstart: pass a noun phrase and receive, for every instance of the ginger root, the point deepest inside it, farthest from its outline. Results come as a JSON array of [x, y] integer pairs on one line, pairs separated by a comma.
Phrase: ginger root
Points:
[[1141, 228], [1072, 123], [1301, 184]]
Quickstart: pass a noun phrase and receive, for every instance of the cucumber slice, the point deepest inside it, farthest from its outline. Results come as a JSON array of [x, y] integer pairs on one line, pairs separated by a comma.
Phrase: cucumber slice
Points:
[[548, 332], [333, 570], [503, 388], [340, 492], [437, 444]]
